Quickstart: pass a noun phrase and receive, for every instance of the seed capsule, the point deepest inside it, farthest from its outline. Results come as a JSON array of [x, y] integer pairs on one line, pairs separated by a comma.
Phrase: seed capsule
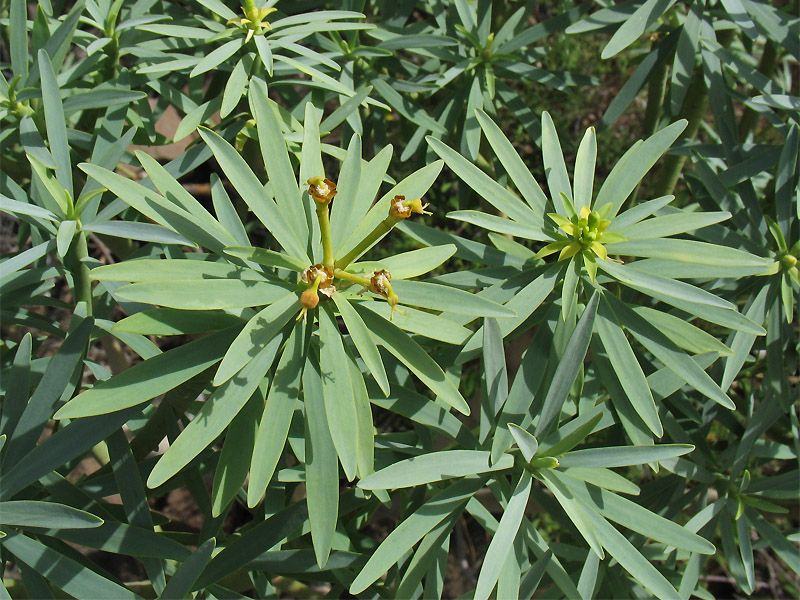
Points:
[[321, 189]]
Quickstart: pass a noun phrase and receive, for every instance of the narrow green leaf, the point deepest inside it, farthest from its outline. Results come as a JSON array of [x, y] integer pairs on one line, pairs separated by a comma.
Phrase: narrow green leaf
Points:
[[277, 416], [435, 466], [627, 368], [23, 208], [66, 232], [337, 391], [742, 342], [623, 456], [173, 191], [430, 325], [567, 370], [526, 184], [208, 294], [571, 434], [345, 110], [169, 269], [66, 573], [584, 170], [503, 540], [669, 354], [134, 498], [215, 415], [526, 442], [156, 208], [56, 379], [662, 287], [603, 478], [69, 442], [576, 512], [253, 542], [253, 193], [444, 298], [145, 232], [415, 358], [55, 197], [672, 224], [684, 334], [634, 165], [630, 558], [18, 37], [433, 545], [170, 321], [417, 262], [266, 257], [33, 513], [258, 332], [265, 53], [486, 187], [17, 383], [523, 230], [347, 188], [363, 341], [279, 168], [554, 166], [237, 452], [637, 518], [365, 458], [181, 583], [55, 123], [635, 25], [322, 472], [449, 501], [494, 367], [216, 57], [235, 86], [226, 213]]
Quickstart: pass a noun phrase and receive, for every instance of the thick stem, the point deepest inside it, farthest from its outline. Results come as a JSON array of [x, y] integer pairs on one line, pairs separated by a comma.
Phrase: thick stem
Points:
[[82, 283], [380, 230], [769, 60], [694, 107], [693, 110], [655, 99], [325, 233]]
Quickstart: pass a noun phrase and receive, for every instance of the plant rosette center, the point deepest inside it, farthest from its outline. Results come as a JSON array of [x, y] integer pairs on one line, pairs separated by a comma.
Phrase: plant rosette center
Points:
[[254, 20], [586, 234]]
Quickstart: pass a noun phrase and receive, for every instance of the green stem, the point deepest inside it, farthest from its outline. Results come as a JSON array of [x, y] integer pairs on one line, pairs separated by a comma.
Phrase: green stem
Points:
[[694, 107], [655, 99], [249, 7], [380, 230], [693, 110], [766, 66], [352, 277], [82, 283], [325, 233]]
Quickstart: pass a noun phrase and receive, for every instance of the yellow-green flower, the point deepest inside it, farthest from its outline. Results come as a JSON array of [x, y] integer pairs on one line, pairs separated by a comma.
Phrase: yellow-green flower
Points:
[[587, 236], [253, 20]]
